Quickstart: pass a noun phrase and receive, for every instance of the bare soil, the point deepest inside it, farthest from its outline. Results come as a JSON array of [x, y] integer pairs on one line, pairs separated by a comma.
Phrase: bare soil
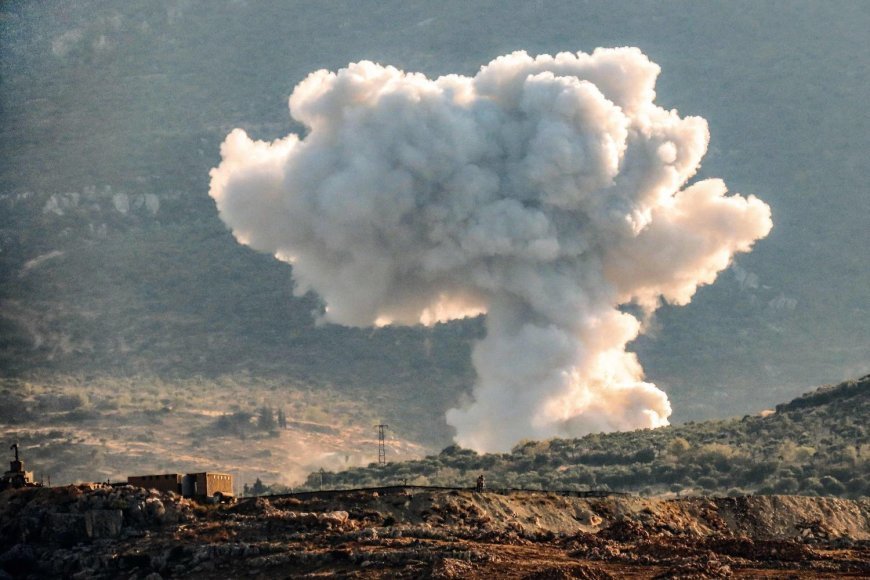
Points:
[[407, 532]]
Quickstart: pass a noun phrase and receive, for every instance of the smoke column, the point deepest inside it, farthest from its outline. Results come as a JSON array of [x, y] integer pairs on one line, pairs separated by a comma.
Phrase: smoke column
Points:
[[545, 192]]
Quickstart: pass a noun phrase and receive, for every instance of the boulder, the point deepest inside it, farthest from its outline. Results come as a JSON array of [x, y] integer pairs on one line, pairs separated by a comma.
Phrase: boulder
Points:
[[103, 523], [64, 529], [336, 518], [155, 509], [18, 560]]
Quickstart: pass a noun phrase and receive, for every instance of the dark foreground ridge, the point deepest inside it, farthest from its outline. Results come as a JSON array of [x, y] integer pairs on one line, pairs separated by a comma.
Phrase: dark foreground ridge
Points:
[[415, 532]]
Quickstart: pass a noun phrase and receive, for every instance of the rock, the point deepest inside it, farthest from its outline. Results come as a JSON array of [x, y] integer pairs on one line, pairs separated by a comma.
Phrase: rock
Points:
[[586, 517], [64, 529], [698, 569], [18, 560], [155, 509], [103, 523], [568, 572], [624, 530], [448, 568], [337, 518]]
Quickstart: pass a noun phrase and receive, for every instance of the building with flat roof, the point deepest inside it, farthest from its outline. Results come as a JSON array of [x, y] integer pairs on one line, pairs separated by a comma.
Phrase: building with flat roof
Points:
[[205, 484]]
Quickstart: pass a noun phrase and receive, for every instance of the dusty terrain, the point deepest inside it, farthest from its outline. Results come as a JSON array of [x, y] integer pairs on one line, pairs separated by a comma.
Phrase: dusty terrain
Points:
[[423, 532], [107, 429]]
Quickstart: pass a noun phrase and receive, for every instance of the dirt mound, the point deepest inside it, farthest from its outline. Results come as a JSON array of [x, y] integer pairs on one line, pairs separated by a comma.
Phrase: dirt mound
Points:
[[624, 530], [412, 533], [780, 516], [450, 568], [697, 569], [568, 572]]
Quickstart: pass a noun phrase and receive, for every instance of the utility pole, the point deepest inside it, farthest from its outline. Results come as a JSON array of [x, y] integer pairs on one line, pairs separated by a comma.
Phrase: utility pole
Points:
[[382, 448]]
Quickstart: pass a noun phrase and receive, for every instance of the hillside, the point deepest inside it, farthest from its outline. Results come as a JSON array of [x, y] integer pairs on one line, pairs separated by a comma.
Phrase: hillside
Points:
[[817, 444], [146, 293], [113, 261], [97, 428], [417, 533]]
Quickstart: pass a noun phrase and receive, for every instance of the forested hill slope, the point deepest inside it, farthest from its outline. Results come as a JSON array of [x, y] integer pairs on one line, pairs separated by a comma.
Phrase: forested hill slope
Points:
[[818, 444], [113, 260]]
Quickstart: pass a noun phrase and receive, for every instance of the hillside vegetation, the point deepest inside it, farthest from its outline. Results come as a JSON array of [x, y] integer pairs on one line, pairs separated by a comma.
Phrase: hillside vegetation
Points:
[[818, 444]]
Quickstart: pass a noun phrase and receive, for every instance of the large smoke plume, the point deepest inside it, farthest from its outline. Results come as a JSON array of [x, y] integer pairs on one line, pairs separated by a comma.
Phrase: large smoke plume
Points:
[[546, 192]]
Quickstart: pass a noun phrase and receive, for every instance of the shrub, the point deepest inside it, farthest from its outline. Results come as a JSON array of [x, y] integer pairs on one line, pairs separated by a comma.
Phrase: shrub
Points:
[[678, 446], [707, 482], [832, 485], [786, 485]]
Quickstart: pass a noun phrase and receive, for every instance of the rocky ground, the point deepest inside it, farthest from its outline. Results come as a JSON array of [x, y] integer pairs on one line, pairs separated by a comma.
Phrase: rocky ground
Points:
[[407, 532]]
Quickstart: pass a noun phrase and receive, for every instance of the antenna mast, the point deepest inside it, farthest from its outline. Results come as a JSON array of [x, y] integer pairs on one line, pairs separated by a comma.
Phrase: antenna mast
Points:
[[382, 448]]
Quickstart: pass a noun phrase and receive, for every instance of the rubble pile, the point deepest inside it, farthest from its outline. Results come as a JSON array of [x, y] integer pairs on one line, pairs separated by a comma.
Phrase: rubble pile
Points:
[[110, 532]]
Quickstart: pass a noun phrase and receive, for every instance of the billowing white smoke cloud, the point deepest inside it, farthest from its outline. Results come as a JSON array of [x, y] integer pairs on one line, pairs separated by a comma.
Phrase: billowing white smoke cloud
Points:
[[543, 191]]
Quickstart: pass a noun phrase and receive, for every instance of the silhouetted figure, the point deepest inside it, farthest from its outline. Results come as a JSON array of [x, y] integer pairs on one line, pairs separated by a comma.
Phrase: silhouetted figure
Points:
[[481, 483]]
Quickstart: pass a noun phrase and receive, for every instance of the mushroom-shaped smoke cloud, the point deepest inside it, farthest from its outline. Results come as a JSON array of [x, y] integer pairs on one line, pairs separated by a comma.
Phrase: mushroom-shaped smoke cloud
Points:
[[546, 192]]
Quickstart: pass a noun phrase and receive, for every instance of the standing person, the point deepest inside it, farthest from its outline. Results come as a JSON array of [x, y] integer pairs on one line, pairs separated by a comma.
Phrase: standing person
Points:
[[481, 482]]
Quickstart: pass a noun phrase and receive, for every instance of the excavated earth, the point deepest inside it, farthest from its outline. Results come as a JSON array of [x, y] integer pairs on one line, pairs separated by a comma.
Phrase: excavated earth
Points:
[[126, 532]]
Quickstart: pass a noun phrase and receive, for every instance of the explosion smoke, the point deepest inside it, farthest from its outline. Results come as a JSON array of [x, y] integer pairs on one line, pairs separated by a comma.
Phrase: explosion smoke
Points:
[[543, 191]]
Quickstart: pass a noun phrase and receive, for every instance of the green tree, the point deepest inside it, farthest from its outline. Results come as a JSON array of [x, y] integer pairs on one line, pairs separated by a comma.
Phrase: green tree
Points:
[[259, 488], [832, 486], [266, 419]]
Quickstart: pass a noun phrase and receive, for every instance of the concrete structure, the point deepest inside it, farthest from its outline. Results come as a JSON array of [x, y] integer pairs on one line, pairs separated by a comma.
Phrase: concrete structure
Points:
[[214, 485], [206, 484], [165, 482], [16, 476]]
